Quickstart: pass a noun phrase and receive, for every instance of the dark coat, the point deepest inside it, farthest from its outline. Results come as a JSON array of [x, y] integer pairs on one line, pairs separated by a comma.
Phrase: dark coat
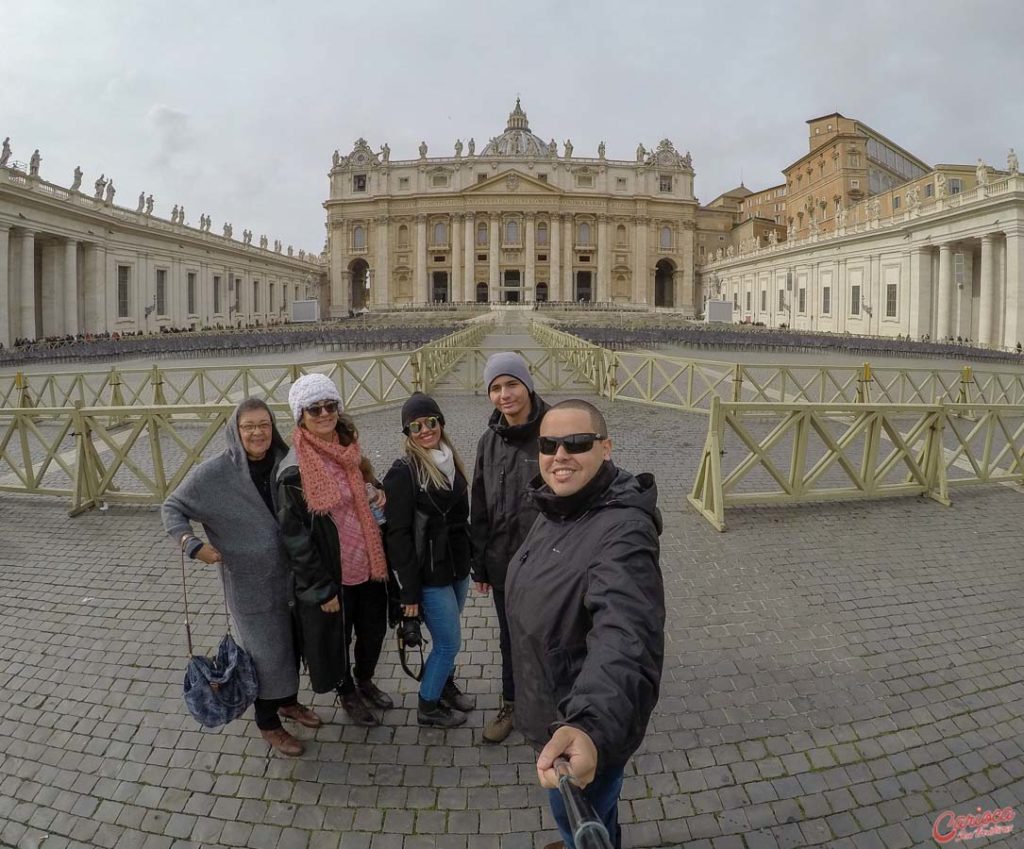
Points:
[[586, 614], [314, 554], [445, 557], [506, 462]]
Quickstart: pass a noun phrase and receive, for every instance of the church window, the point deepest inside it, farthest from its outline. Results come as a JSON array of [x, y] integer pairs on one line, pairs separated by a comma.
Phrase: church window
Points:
[[161, 291], [403, 236], [620, 184], [512, 232], [665, 183], [359, 182], [620, 235], [439, 181], [955, 186], [481, 233], [403, 182], [583, 233], [666, 238], [890, 300], [440, 233], [896, 202], [542, 234], [542, 177], [358, 238], [585, 181]]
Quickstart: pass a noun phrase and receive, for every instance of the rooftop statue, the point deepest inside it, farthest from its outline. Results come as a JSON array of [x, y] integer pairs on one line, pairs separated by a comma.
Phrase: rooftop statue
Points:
[[5, 152], [33, 163], [77, 183]]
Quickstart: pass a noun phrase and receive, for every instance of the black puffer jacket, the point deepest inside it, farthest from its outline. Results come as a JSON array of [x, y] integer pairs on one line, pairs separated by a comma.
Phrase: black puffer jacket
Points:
[[446, 555], [586, 611], [502, 515]]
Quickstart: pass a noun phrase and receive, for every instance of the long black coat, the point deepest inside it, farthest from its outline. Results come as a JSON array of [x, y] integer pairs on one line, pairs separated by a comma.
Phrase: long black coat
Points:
[[446, 555], [506, 462], [586, 614]]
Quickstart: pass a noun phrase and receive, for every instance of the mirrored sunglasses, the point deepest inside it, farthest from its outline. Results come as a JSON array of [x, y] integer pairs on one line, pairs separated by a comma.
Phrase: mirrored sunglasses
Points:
[[574, 443], [324, 407], [431, 423]]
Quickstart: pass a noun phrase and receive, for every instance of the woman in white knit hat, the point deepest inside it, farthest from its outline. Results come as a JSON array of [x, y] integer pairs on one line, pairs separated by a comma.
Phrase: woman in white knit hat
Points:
[[334, 547]]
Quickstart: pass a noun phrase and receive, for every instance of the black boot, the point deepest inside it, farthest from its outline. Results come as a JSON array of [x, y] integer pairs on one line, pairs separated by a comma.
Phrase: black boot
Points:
[[438, 715], [453, 697]]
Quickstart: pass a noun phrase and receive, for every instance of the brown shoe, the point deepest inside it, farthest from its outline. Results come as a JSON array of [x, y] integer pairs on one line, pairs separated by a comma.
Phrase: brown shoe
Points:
[[283, 742], [301, 714], [358, 711], [501, 726]]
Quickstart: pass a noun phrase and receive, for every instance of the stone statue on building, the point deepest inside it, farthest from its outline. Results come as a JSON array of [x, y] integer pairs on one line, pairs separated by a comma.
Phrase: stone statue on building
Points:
[[981, 171], [423, 150], [77, 182], [302, 253], [1012, 165], [385, 153], [264, 241], [142, 202], [109, 195], [33, 163], [874, 208], [5, 152], [600, 150], [227, 230], [940, 185], [641, 152], [277, 245], [336, 158], [568, 148], [841, 217], [149, 205], [730, 251], [458, 148], [687, 160], [813, 227], [471, 148], [552, 148], [174, 214], [290, 251], [773, 237], [914, 199]]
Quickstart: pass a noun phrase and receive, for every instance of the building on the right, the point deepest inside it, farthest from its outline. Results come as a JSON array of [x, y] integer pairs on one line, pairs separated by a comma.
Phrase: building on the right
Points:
[[937, 255]]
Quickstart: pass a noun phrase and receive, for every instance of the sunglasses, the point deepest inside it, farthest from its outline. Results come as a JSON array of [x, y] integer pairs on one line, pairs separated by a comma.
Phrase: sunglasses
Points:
[[431, 423], [574, 443], [324, 407]]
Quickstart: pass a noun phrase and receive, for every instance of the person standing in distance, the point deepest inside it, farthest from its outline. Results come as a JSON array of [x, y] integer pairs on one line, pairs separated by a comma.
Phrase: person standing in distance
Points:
[[500, 514], [586, 612]]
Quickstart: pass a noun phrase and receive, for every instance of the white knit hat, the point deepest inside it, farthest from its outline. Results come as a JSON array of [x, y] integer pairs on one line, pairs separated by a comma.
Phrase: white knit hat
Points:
[[309, 389]]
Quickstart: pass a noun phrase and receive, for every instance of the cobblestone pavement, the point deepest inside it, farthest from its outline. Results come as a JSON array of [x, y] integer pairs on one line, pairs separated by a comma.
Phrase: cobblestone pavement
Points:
[[836, 675]]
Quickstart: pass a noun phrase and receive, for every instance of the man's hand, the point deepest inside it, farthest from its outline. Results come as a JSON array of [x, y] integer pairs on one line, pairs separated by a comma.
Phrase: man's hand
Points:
[[577, 748], [411, 610], [208, 554], [482, 587], [332, 606]]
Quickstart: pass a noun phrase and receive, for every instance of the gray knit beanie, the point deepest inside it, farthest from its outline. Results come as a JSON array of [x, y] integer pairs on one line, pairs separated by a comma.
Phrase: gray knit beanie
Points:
[[510, 363], [309, 389]]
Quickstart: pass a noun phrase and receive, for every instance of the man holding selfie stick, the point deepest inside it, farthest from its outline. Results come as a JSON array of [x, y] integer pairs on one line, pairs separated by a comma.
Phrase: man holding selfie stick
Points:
[[586, 613]]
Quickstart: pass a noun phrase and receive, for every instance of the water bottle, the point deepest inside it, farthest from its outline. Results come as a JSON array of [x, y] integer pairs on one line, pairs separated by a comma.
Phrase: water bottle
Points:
[[375, 508]]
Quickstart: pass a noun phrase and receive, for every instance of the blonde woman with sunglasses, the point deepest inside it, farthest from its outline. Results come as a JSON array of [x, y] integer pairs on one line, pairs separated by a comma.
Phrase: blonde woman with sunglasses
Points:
[[429, 551]]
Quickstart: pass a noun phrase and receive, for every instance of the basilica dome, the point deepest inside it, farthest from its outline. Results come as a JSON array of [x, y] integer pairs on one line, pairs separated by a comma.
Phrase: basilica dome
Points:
[[517, 140]]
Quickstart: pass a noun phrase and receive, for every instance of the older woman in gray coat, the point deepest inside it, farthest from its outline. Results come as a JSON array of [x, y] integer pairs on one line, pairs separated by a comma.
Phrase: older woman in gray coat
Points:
[[232, 496]]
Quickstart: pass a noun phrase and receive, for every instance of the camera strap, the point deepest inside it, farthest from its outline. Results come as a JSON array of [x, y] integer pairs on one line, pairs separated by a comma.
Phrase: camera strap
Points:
[[403, 658]]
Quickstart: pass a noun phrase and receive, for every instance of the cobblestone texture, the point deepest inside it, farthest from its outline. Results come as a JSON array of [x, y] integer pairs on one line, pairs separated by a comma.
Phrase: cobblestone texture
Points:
[[836, 675]]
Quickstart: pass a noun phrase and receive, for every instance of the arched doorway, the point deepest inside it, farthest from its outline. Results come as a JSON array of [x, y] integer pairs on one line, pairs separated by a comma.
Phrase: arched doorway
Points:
[[481, 293], [542, 293], [664, 283], [584, 286], [439, 287], [359, 274]]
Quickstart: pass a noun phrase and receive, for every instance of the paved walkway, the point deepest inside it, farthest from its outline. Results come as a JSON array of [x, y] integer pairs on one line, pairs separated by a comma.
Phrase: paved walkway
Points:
[[836, 675]]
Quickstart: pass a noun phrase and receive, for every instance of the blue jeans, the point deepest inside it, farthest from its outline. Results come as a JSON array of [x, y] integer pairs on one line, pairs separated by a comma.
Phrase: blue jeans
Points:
[[603, 795], [442, 614]]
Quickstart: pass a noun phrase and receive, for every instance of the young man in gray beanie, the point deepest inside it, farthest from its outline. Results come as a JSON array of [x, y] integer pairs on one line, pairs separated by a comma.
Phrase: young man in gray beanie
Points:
[[501, 514]]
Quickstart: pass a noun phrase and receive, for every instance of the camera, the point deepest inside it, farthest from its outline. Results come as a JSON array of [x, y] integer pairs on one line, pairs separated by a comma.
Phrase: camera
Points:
[[409, 631]]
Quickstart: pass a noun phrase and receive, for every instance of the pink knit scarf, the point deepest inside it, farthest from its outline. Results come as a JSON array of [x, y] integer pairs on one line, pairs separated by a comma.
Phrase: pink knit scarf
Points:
[[322, 493]]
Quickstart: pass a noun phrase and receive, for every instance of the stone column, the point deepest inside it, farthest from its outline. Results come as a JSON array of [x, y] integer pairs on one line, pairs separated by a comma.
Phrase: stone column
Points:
[[339, 251], [921, 299], [421, 289], [985, 296], [28, 285], [603, 285], [945, 293], [469, 260], [1013, 324], [6, 336], [568, 242], [554, 259], [71, 324], [530, 280], [494, 257], [640, 273], [458, 287], [94, 312], [381, 293]]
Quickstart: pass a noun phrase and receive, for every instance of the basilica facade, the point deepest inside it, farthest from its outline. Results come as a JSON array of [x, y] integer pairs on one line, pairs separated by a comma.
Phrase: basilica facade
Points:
[[517, 221]]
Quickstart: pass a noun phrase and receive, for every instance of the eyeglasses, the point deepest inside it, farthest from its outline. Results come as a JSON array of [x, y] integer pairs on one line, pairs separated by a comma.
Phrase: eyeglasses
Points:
[[323, 407], [574, 443], [431, 423], [248, 429]]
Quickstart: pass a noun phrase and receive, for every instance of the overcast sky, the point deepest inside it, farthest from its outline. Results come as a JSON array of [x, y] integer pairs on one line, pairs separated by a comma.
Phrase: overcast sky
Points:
[[234, 108]]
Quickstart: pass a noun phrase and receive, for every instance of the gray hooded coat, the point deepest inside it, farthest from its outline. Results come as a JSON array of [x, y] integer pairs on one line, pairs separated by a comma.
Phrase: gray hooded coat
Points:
[[221, 496]]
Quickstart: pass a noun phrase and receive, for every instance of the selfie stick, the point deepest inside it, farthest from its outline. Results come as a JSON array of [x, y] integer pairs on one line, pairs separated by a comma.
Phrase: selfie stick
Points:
[[588, 832]]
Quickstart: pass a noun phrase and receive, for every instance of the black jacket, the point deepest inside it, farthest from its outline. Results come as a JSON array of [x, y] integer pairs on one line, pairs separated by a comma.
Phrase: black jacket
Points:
[[586, 614], [314, 554], [506, 462], [445, 555]]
